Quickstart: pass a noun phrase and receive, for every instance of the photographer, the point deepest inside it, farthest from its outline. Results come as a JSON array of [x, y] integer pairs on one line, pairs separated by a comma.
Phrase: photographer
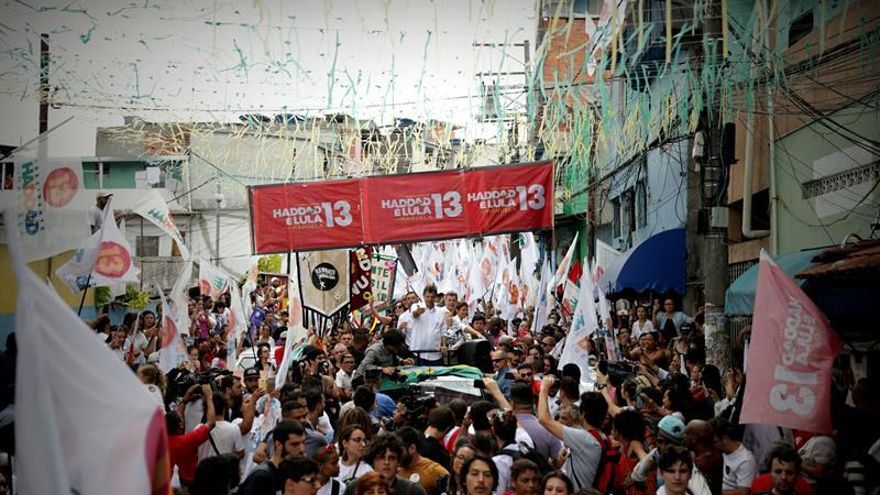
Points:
[[183, 447], [383, 355]]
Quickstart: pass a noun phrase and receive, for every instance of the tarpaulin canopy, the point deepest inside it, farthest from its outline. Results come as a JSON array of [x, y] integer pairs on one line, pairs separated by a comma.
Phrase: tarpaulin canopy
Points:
[[740, 296], [657, 263]]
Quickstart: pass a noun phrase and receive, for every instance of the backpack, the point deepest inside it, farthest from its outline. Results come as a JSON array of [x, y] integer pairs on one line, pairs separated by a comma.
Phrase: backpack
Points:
[[607, 473], [526, 452]]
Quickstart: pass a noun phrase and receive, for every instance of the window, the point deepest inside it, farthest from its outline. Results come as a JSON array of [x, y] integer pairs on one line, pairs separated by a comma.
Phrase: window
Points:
[[615, 221], [800, 27], [641, 204], [7, 172], [628, 213], [147, 245]]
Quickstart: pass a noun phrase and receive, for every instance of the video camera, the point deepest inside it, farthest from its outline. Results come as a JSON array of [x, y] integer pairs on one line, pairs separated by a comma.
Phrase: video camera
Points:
[[184, 380], [417, 405], [618, 371]]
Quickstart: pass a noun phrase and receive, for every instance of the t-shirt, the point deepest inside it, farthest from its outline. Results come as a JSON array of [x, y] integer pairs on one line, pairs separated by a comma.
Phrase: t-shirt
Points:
[[585, 455], [638, 329], [431, 476], [739, 469], [227, 438], [343, 380], [140, 345], [763, 484], [327, 488], [544, 442], [353, 471], [183, 451], [435, 451], [455, 334], [503, 462], [427, 328]]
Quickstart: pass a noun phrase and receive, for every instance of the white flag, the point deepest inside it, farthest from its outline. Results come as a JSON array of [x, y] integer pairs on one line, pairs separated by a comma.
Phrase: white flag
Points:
[[153, 208], [108, 253], [180, 298], [86, 423], [172, 351], [543, 303], [584, 323], [52, 206], [212, 280], [562, 271], [236, 326]]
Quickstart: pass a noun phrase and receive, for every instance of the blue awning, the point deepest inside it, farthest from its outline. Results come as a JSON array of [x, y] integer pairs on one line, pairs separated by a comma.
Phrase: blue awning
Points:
[[657, 263], [740, 296]]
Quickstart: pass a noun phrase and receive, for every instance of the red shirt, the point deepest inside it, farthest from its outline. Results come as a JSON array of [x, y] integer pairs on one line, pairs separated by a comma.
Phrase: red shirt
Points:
[[764, 484], [184, 452]]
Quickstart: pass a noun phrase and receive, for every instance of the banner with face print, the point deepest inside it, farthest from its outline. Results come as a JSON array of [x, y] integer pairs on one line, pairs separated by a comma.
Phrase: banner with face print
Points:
[[52, 206]]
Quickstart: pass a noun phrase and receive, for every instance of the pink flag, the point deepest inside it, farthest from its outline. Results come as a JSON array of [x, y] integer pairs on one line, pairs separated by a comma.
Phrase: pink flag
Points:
[[790, 356]]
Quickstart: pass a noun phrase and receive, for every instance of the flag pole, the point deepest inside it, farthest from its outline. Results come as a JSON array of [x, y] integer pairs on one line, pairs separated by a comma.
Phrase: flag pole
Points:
[[82, 300]]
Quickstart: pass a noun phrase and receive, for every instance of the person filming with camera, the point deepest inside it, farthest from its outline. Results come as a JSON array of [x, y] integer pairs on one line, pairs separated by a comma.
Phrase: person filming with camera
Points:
[[384, 355]]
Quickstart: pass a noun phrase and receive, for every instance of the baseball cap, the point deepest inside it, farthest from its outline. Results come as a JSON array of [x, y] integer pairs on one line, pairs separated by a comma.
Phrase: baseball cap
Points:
[[251, 373], [671, 428]]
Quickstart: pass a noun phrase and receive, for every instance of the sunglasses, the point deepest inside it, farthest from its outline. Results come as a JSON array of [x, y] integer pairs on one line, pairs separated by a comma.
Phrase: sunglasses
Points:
[[498, 360]]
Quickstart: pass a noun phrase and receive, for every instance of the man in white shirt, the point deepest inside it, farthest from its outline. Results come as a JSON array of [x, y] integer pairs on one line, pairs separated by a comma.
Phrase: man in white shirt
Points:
[[344, 375], [96, 211], [226, 436], [740, 467], [427, 328], [405, 320]]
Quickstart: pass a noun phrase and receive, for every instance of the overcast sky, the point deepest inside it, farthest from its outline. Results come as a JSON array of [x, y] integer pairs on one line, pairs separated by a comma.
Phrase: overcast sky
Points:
[[211, 61]]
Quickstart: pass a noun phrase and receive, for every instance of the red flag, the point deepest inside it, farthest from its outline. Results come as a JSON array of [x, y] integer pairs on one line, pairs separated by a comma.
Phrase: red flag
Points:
[[790, 356]]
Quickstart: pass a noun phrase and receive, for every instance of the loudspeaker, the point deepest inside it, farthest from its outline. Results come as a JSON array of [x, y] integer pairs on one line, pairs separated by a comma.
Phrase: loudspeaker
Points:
[[476, 353]]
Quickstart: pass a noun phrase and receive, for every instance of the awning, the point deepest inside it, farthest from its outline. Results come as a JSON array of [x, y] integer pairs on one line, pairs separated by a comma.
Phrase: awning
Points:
[[657, 264], [740, 296]]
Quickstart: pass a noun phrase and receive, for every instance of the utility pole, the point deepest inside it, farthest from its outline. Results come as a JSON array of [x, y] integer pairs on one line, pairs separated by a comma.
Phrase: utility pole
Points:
[[218, 198], [512, 109], [718, 342]]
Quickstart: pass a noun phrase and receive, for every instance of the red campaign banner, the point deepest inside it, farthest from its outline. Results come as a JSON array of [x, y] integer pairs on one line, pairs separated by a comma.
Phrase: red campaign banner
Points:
[[509, 199], [414, 207], [401, 208], [305, 216]]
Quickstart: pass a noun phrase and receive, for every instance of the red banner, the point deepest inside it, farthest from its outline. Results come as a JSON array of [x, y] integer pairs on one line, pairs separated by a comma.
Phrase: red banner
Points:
[[414, 207], [306, 216], [361, 273], [402, 208], [790, 357], [504, 200]]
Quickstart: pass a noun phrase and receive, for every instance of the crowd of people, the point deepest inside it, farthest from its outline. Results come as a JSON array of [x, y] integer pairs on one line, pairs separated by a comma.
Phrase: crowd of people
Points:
[[657, 419]]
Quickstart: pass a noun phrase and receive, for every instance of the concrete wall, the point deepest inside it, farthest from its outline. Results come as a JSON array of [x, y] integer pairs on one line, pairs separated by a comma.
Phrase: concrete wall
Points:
[[814, 152]]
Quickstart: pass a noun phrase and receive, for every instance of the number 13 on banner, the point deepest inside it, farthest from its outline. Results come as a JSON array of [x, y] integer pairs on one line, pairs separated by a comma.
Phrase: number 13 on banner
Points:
[[535, 202], [338, 213], [448, 204], [782, 400]]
